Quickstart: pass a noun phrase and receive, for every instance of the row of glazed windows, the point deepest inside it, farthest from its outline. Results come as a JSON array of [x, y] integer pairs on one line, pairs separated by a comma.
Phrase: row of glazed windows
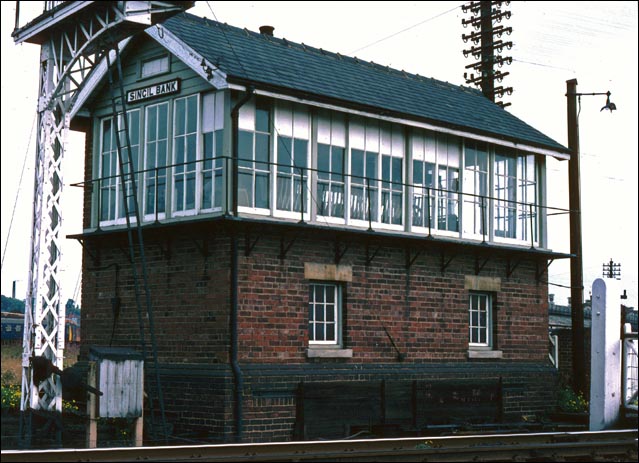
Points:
[[325, 324], [323, 166]]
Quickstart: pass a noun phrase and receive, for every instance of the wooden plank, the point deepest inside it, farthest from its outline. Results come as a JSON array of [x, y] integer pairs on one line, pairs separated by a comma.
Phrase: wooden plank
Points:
[[92, 409], [457, 402], [338, 409], [127, 388]]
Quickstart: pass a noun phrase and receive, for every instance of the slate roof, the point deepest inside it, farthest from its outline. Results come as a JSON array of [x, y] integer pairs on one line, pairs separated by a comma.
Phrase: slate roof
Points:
[[277, 64]]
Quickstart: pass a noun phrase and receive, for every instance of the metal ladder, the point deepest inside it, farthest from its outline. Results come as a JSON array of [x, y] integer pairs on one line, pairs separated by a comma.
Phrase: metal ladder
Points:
[[129, 193]]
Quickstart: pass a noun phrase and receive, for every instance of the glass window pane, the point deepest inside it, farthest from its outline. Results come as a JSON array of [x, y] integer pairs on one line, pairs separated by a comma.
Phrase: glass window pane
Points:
[[337, 200], [179, 153], [397, 170], [245, 189], [330, 313], [180, 116], [245, 148], [386, 174], [284, 193], [219, 143], [323, 161], [207, 146], [330, 294], [337, 162], [371, 165], [301, 150], [418, 173], [261, 151], [284, 154], [330, 332], [191, 123], [152, 123], [191, 142], [262, 119], [261, 191], [357, 166], [163, 118]]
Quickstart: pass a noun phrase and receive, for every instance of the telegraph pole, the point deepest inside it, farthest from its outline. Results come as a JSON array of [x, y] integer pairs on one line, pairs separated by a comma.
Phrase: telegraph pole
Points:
[[576, 264], [612, 270], [487, 49]]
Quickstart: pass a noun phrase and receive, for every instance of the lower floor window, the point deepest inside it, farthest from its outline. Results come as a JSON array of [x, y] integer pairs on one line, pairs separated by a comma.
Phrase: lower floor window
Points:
[[324, 310], [480, 320]]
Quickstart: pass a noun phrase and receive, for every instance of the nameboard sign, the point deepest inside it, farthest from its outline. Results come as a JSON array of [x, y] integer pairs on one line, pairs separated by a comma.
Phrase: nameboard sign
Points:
[[153, 91]]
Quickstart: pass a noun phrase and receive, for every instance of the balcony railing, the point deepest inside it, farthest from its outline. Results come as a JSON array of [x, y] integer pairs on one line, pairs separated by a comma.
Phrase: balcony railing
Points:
[[326, 197]]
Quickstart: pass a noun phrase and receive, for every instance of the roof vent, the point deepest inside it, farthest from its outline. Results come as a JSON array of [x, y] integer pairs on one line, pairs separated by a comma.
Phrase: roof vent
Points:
[[267, 30]]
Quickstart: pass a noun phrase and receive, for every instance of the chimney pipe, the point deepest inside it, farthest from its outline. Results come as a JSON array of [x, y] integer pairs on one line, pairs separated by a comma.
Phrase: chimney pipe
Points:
[[267, 30]]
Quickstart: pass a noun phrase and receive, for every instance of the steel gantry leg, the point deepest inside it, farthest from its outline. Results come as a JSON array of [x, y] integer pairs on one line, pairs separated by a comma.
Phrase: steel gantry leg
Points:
[[72, 36]]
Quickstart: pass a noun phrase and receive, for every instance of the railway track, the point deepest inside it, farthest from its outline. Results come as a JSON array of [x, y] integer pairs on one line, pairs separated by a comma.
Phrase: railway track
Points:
[[618, 445]]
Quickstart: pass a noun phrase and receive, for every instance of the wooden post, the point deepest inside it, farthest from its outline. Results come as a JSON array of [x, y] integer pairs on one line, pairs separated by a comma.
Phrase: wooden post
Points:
[[138, 431], [92, 409], [605, 365]]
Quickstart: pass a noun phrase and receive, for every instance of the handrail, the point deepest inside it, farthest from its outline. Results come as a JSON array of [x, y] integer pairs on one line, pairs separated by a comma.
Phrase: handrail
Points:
[[410, 191]]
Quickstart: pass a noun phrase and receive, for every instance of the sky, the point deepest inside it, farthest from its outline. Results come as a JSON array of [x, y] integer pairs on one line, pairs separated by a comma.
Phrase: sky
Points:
[[593, 42]]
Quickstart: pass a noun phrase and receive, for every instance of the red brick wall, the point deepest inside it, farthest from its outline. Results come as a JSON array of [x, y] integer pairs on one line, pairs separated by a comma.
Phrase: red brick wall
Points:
[[564, 337], [424, 310], [189, 296]]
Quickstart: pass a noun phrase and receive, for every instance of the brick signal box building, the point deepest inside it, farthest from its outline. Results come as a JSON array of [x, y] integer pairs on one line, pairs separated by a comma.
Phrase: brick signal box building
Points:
[[331, 246]]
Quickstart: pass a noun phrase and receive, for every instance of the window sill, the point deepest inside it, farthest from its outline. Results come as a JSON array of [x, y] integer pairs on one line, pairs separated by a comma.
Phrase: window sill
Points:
[[328, 352], [484, 354]]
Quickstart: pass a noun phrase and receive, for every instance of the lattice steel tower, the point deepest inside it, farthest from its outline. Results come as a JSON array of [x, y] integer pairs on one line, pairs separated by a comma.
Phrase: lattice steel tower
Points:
[[75, 39]]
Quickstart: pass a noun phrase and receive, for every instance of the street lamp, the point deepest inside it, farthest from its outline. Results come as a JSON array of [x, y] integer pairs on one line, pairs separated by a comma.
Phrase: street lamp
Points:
[[576, 262]]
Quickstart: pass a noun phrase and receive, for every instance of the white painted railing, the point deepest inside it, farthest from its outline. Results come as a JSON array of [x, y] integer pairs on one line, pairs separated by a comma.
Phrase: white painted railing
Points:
[[630, 381]]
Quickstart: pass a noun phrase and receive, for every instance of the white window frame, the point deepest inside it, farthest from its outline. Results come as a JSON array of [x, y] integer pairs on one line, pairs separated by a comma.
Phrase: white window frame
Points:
[[441, 151], [191, 168], [247, 124], [151, 63], [527, 179], [150, 174], [114, 183], [392, 147], [293, 122], [526, 167], [475, 326], [313, 306], [472, 222], [332, 130], [212, 122]]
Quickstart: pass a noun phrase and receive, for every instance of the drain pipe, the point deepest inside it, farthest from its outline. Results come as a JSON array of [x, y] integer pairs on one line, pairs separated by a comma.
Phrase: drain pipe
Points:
[[235, 365]]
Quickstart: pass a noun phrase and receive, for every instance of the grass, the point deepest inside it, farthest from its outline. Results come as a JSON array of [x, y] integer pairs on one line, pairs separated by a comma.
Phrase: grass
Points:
[[12, 361]]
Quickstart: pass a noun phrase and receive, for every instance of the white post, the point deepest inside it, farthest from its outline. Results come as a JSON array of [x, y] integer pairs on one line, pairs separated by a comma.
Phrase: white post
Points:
[[605, 357]]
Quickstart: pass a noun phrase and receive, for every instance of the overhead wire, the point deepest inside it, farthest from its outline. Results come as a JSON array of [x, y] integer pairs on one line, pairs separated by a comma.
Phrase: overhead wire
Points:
[[15, 203], [407, 29], [309, 189]]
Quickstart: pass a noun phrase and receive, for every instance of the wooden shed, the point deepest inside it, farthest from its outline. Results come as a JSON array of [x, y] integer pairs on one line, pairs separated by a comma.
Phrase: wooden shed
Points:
[[120, 377]]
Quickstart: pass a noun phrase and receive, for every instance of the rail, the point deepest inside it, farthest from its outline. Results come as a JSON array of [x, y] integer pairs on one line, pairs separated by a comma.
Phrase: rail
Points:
[[497, 447]]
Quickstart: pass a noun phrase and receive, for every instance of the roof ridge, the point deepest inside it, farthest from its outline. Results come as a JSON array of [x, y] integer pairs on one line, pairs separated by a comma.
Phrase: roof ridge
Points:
[[294, 65], [320, 51]]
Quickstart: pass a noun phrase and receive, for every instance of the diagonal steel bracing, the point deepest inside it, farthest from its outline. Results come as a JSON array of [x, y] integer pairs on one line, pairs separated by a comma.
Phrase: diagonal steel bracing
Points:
[[73, 37]]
